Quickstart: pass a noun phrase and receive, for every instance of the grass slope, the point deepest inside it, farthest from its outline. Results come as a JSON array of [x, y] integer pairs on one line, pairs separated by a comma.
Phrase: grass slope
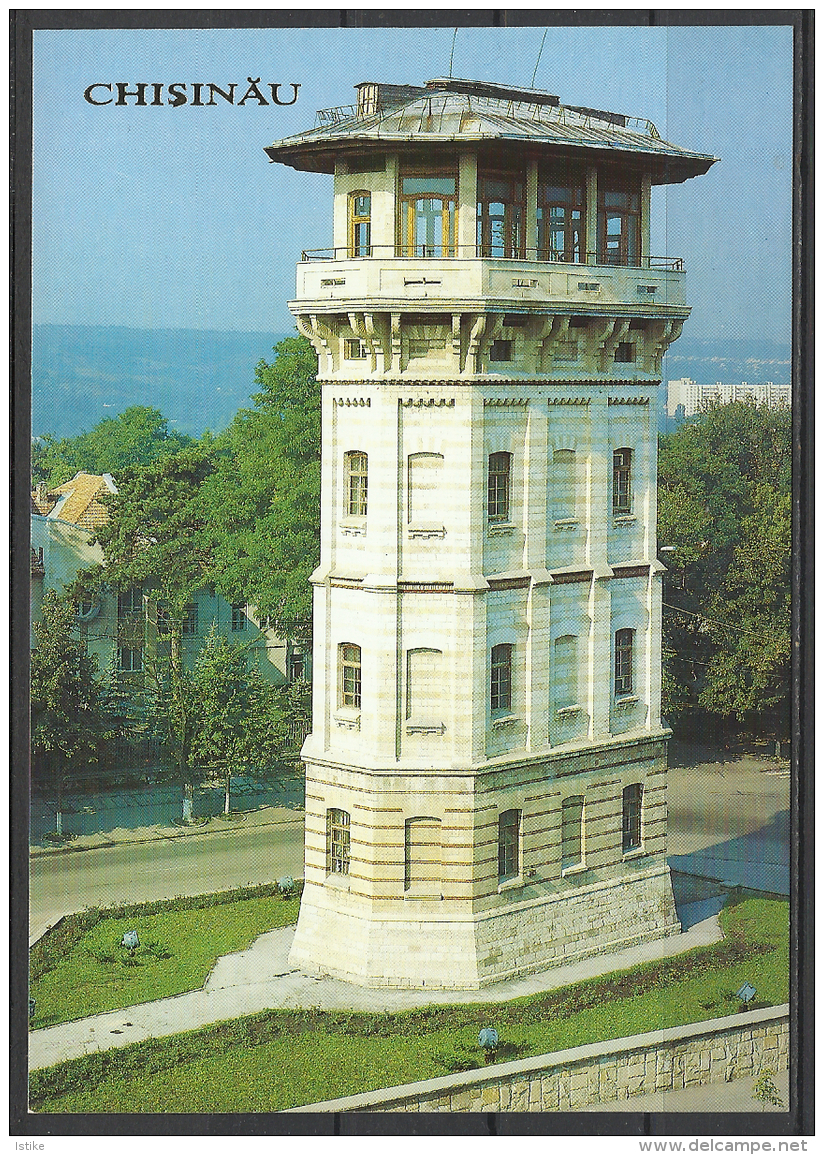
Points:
[[85, 971], [280, 1059]]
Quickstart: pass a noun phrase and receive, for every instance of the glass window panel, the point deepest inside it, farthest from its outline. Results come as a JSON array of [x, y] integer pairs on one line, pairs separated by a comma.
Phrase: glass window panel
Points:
[[429, 184]]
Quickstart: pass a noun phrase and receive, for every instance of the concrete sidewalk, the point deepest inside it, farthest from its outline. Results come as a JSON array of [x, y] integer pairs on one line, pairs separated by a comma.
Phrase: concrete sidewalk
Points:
[[235, 988]]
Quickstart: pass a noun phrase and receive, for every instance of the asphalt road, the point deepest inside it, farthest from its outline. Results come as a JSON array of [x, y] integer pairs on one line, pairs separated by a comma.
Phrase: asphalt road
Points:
[[136, 872]]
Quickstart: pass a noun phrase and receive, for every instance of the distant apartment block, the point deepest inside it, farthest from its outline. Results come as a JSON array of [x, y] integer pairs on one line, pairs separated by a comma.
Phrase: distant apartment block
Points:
[[693, 396]]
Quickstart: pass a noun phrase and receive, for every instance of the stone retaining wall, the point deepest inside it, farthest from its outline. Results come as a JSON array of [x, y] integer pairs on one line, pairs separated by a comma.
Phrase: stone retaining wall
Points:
[[714, 1051]]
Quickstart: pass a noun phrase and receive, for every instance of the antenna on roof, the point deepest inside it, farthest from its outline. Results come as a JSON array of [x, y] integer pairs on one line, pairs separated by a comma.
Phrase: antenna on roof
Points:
[[537, 62], [452, 53]]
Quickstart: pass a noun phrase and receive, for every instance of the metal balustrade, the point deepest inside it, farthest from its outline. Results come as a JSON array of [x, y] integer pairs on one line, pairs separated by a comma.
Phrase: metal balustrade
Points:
[[479, 252]]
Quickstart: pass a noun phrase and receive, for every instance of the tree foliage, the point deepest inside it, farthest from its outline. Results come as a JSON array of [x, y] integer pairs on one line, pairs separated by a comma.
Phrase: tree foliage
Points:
[[725, 505], [137, 436], [262, 503]]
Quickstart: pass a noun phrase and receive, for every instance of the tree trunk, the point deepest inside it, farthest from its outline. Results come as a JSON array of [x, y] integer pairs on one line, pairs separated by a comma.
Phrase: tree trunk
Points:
[[188, 801], [227, 803], [59, 816]]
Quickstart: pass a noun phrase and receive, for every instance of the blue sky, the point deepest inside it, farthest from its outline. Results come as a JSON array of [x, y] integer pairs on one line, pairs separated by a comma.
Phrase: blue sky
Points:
[[164, 217]]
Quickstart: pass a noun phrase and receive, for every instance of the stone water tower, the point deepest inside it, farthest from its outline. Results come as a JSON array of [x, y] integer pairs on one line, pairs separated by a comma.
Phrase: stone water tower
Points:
[[486, 777]]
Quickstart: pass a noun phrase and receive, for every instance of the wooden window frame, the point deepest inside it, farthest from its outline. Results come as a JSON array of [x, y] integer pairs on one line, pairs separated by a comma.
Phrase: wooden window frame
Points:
[[356, 466], [514, 217], [338, 841], [632, 801], [575, 202], [624, 661], [622, 481], [500, 679], [405, 241], [509, 844], [629, 246], [350, 675], [239, 618], [498, 486], [356, 247]]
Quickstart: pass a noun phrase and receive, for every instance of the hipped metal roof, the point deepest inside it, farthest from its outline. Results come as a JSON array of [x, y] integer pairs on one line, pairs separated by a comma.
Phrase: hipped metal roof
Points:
[[453, 112]]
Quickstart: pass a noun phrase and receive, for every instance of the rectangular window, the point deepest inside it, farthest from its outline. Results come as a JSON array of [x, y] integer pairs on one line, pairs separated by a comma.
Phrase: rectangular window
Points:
[[427, 208], [337, 842], [357, 477], [631, 817], [623, 661], [501, 682], [500, 351], [238, 618], [501, 212], [350, 676], [619, 224], [564, 467], [296, 667], [562, 218], [625, 352], [360, 224], [129, 660], [424, 689], [130, 602], [500, 468], [572, 821], [509, 845], [422, 854], [425, 496], [190, 619], [353, 349], [622, 481]]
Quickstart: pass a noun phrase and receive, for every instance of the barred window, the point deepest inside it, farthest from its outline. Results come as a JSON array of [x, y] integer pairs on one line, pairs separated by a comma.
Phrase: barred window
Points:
[[623, 661], [498, 486], [337, 842], [350, 675], [631, 817], [357, 465], [509, 845], [501, 682]]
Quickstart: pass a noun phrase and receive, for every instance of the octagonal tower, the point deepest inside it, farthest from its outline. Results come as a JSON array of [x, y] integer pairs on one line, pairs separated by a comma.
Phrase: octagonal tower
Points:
[[486, 772]]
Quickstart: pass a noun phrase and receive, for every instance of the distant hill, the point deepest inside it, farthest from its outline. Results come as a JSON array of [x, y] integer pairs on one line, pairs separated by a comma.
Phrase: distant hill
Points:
[[197, 379]]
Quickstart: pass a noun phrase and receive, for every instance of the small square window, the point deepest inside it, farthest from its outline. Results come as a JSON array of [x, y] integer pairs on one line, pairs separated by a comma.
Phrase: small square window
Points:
[[625, 352], [353, 349], [500, 351]]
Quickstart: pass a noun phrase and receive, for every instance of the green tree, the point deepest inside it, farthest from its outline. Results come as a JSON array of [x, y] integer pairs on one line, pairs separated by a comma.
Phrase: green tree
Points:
[[69, 719], [262, 503], [155, 541], [137, 436], [765, 1091], [724, 521], [240, 724]]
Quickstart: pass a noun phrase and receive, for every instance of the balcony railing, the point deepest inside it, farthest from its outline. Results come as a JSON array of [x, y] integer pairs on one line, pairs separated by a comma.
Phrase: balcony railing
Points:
[[473, 252]]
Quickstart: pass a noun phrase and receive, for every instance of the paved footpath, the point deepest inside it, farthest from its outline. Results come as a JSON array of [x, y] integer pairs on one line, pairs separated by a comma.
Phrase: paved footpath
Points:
[[235, 988]]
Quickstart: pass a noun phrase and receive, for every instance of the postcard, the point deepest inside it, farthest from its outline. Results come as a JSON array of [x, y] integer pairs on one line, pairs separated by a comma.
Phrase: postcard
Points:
[[408, 546]]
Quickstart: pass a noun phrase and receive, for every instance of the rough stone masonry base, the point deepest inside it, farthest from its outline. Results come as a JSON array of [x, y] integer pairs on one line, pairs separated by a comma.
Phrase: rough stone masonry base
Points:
[[431, 945]]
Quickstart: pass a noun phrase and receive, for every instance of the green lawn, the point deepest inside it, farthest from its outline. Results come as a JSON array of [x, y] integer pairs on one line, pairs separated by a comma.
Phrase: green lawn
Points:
[[178, 948], [279, 1059]]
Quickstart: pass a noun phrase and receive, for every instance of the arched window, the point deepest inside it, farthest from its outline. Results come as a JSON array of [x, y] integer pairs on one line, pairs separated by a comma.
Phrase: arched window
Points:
[[500, 698], [631, 817], [509, 845], [624, 645], [498, 486], [356, 469], [360, 224], [349, 657], [622, 481], [337, 842]]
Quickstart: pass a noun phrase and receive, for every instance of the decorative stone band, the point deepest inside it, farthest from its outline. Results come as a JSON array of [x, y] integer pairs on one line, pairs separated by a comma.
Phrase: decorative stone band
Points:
[[628, 400], [714, 1051], [364, 402]]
